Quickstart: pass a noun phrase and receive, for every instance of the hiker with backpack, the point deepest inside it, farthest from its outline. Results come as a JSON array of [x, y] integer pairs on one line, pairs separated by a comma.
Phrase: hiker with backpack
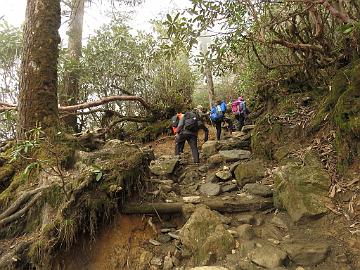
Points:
[[199, 110], [174, 124], [238, 108], [187, 130], [217, 114]]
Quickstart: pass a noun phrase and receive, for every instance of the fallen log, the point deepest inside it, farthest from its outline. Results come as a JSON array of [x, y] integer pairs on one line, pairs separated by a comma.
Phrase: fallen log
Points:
[[229, 206]]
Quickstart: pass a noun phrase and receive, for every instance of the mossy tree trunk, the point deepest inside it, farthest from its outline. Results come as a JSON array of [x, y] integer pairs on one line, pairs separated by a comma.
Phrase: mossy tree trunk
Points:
[[38, 104], [71, 78]]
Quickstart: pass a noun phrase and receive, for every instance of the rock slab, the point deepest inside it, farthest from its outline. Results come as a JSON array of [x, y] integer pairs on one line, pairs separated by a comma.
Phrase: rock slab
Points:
[[302, 188], [164, 165], [204, 235]]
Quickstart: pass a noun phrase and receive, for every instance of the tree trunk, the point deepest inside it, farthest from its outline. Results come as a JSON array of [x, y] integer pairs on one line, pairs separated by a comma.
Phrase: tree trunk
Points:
[[210, 85], [38, 104], [71, 77]]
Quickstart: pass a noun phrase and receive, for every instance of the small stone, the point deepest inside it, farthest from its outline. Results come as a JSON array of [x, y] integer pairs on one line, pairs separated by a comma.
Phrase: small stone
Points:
[[173, 235], [258, 189], [274, 241], [224, 175], [233, 233], [192, 199], [154, 242], [163, 238], [165, 230], [210, 189], [156, 261], [300, 268]]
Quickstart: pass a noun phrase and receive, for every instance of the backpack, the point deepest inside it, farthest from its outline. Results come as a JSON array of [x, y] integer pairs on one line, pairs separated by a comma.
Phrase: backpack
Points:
[[235, 107], [174, 121], [191, 122], [242, 107], [217, 113]]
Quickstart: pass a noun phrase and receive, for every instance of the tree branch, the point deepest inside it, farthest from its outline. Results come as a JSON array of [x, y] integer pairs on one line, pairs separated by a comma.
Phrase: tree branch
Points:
[[73, 108], [102, 101]]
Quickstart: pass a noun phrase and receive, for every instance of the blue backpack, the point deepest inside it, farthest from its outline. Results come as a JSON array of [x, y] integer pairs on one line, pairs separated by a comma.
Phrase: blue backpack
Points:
[[217, 112]]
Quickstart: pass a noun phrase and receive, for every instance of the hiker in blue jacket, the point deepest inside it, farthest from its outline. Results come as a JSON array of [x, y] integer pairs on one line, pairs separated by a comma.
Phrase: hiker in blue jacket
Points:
[[217, 113]]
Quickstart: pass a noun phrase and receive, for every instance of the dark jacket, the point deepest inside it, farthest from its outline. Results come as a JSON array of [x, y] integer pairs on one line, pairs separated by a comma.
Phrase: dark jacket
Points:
[[180, 129]]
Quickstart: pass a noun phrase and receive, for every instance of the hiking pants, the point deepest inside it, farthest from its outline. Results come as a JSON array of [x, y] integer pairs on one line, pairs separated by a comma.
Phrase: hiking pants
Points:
[[179, 148], [218, 129], [241, 119], [192, 140]]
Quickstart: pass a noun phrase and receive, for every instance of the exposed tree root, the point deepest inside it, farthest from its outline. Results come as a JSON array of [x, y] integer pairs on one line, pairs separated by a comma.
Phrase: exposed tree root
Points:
[[13, 212], [219, 205]]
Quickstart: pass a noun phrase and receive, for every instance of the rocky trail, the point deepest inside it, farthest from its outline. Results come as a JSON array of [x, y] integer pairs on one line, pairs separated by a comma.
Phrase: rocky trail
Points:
[[230, 212]]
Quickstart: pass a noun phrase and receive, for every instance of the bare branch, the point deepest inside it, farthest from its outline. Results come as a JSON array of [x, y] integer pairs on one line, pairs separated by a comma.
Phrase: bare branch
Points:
[[102, 101], [86, 105]]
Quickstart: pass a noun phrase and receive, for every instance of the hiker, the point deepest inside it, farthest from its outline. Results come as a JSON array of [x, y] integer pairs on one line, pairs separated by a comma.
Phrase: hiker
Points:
[[187, 130], [174, 124], [238, 108], [203, 117], [217, 116]]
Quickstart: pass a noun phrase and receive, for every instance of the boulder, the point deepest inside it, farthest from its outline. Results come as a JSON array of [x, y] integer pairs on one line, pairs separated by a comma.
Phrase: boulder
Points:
[[228, 187], [245, 231], [234, 155], [210, 189], [233, 166], [210, 148], [249, 172], [205, 236], [234, 143], [280, 222], [268, 256], [212, 178], [302, 189], [164, 165], [224, 175], [189, 177], [215, 159], [258, 189], [307, 253]]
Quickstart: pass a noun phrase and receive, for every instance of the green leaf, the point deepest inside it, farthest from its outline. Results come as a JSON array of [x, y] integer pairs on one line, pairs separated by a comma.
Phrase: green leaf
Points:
[[348, 30], [168, 16], [98, 176]]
